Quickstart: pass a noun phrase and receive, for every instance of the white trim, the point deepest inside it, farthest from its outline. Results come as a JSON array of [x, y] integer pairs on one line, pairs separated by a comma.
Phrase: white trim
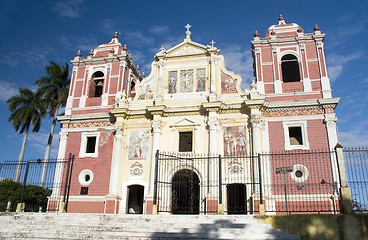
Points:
[[82, 179], [303, 126], [83, 148], [303, 169], [294, 118]]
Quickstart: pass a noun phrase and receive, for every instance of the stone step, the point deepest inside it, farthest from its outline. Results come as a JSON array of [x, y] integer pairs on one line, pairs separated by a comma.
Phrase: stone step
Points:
[[153, 229], [108, 226], [143, 235]]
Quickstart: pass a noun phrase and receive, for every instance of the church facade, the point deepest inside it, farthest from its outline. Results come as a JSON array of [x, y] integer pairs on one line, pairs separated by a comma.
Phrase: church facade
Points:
[[138, 139]]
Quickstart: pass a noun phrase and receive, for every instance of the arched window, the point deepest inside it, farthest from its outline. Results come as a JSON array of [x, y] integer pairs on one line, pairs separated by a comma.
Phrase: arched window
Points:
[[96, 87], [290, 68]]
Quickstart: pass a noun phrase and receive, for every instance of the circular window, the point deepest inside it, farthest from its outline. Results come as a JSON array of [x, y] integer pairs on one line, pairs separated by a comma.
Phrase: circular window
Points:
[[300, 173], [85, 177]]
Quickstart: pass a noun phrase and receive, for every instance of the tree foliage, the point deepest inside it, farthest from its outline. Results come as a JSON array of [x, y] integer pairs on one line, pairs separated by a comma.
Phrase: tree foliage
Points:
[[25, 111], [34, 196]]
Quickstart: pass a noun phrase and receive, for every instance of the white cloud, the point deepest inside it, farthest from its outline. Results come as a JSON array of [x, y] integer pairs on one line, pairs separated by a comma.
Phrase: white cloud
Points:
[[158, 30], [137, 37], [354, 138], [38, 141], [239, 60], [85, 44], [35, 57], [70, 8], [7, 90], [337, 62]]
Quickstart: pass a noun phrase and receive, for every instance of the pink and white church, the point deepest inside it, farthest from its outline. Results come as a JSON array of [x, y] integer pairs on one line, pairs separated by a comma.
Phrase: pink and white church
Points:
[[190, 105]]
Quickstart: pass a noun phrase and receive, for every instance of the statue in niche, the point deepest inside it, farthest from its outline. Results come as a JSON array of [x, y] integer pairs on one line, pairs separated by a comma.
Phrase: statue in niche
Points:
[[186, 80], [172, 82], [201, 82]]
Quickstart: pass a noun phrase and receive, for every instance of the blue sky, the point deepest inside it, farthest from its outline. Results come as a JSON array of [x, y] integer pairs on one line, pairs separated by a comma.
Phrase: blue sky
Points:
[[35, 32]]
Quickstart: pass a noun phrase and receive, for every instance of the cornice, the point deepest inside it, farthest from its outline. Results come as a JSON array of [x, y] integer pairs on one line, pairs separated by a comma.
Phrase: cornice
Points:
[[90, 117], [298, 105]]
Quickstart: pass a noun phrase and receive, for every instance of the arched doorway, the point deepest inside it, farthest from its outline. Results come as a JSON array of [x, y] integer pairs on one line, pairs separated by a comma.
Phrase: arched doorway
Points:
[[135, 199], [236, 198], [185, 192]]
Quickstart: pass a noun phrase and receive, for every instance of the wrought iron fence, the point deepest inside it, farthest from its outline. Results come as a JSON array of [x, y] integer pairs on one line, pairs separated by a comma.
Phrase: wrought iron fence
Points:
[[300, 181], [287, 182], [41, 185], [356, 163]]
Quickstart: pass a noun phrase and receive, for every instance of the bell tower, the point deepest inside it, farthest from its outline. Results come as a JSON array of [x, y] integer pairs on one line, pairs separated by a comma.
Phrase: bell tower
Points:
[[288, 61]]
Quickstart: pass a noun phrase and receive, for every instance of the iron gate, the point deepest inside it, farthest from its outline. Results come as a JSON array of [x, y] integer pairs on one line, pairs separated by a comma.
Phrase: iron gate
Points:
[[194, 184]]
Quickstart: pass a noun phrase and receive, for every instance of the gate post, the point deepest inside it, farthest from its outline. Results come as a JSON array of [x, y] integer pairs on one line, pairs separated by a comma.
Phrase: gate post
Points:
[[220, 208], [62, 208], [154, 208], [21, 204], [261, 205], [347, 203]]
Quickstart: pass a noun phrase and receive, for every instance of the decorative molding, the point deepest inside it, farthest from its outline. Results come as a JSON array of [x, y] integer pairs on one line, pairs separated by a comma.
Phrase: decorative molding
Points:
[[291, 112], [136, 169]]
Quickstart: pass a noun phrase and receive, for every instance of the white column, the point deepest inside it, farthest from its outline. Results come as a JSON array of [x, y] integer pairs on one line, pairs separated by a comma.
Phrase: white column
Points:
[[116, 161], [160, 79], [257, 146], [156, 129], [60, 165], [330, 121], [213, 165], [213, 72]]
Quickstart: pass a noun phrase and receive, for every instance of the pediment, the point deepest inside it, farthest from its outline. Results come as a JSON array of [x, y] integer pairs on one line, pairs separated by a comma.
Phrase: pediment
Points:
[[186, 48], [184, 122]]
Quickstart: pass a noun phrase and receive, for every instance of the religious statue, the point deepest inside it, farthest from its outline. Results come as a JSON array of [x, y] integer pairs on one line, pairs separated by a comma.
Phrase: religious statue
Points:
[[201, 85]]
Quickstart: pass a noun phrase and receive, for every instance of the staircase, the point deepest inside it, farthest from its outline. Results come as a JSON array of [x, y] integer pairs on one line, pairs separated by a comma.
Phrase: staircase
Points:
[[107, 226]]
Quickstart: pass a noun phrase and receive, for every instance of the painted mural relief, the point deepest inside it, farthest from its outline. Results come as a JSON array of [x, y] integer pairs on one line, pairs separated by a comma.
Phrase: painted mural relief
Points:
[[138, 145], [228, 84], [201, 80], [186, 80], [173, 76], [136, 169], [146, 90], [234, 141]]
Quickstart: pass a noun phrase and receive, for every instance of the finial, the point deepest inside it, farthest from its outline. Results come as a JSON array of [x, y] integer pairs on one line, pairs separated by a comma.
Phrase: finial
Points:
[[188, 33], [143, 75], [130, 56], [162, 48], [116, 35], [253, 86], [79, 54], [137, 67], [281, 20], [299, 30], [256, 34], [91, 53], [125, 48], [316, 28], [212, 43]]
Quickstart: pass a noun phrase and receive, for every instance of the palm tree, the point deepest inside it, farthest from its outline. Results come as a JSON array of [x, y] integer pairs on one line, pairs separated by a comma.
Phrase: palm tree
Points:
[[25, 112], [54, 90]]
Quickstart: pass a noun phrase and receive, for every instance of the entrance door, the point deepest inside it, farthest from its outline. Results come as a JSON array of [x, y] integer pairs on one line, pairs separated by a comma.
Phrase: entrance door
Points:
[[135, 199], [185, 192], [236, 198]]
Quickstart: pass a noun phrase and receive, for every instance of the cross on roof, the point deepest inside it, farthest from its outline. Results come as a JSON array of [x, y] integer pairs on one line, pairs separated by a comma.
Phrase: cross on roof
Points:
[[212, 43], [162, 48], [187, 27]]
